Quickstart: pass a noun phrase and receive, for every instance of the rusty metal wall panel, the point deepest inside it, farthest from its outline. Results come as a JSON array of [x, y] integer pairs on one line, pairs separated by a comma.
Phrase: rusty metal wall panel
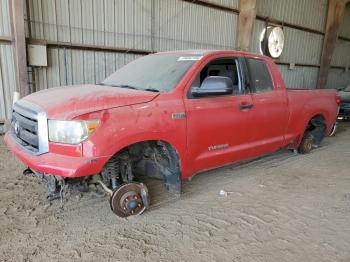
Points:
[[310, 13], [5, 22], [341, 56], [299, 77], [7, 80], [182, 25], [300, 47], [338, 78], [345, 26]]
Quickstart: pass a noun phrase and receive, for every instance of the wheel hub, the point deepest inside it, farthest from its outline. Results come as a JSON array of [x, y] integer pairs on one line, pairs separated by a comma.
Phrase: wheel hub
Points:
[[129, 199]]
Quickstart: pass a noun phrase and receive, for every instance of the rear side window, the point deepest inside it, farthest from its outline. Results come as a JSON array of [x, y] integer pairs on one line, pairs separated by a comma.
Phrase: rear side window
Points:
[[259, 75]]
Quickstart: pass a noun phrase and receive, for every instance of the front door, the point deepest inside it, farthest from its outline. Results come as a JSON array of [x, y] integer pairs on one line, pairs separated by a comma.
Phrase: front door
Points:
[[219, 128]]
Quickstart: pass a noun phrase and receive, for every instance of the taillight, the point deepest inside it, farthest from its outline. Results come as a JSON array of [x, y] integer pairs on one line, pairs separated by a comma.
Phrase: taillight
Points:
[[337, 99]]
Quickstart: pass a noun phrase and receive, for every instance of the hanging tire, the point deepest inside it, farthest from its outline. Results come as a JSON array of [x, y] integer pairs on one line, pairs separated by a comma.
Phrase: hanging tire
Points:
[[306, 143]]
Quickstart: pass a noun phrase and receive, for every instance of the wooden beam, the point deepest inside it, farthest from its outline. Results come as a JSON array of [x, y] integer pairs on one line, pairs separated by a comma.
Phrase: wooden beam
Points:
[[334, 19], [246, 18], [19, 46]]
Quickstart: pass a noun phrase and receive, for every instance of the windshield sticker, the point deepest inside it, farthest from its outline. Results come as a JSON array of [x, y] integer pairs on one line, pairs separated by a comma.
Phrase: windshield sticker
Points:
[[189, 58]]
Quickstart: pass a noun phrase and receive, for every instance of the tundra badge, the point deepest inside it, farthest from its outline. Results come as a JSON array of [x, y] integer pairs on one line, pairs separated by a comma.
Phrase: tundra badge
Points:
[[179, 115]]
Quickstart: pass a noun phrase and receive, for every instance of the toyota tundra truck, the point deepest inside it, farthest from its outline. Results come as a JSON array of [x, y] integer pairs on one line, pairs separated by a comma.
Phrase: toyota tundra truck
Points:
[[169, 116]]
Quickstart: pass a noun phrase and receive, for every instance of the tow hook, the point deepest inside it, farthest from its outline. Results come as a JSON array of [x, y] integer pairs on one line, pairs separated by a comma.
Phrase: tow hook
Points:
[[129, 199]]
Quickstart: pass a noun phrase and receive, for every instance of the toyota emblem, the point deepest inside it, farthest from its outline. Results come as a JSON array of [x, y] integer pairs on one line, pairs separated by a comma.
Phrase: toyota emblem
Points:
[[16, 127]]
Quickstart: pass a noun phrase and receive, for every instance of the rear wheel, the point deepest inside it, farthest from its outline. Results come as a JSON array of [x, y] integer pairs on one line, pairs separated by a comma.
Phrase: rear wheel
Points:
[[306, 143]]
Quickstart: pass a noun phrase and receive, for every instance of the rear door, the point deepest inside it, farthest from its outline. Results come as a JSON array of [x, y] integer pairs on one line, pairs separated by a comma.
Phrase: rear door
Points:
[[270, 107], [219, 128]]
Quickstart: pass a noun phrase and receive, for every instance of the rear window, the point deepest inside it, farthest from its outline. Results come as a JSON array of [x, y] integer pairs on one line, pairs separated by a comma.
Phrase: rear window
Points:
[[260, 78]]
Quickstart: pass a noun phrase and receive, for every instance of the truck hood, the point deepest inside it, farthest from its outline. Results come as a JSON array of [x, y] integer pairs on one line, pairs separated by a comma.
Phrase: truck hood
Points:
[[68, 102]]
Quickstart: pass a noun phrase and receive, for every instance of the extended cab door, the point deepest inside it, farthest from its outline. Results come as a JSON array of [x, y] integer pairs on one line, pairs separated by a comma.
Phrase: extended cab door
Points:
[[270, 106], [219, 128]]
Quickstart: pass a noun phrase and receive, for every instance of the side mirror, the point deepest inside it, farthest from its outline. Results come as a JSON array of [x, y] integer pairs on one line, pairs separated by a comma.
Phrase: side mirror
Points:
[[214, 86]]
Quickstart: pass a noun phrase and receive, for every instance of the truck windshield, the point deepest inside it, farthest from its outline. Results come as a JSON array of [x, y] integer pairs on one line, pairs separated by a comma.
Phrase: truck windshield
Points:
[[157, 73]]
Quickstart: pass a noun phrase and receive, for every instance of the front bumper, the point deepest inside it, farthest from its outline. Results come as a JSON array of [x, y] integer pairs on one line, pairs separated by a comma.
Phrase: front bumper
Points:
[[57, 164]]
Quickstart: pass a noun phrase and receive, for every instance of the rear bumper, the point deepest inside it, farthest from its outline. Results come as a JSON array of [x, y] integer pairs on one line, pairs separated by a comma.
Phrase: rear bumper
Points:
[[57, 164]]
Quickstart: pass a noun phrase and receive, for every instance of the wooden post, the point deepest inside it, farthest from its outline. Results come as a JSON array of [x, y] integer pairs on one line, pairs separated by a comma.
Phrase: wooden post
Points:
[[247, 14], [19, 46], [334, 18]]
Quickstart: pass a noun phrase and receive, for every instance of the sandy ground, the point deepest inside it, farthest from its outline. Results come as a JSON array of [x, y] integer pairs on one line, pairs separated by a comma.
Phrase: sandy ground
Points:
[[284, 207]]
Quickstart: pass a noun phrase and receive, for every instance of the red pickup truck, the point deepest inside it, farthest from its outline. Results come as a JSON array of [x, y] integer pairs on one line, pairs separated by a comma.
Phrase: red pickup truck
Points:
[[167, 115]]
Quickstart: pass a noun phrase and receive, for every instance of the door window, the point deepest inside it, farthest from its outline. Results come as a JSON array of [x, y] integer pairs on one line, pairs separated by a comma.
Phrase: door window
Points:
[[259, 76], [226, 67]]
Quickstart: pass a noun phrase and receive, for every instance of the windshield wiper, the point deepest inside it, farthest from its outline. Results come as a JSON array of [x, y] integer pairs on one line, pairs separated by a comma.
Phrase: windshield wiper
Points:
[[117, 85], [103, 84], [152, 90], [127, 86]]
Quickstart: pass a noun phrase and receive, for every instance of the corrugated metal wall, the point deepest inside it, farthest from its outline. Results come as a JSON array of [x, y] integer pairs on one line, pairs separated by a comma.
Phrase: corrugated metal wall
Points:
[[72, 67], [310, 13], [182, 25], [339, 78], [345, 27], [139, 24], [7, 73]]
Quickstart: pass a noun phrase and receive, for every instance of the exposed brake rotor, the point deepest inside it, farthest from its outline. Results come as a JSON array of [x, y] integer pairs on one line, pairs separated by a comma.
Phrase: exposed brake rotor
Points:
[[130, 199]]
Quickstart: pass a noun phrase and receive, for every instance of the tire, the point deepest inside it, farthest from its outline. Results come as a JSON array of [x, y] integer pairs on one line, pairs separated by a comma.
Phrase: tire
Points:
[[306, 143]]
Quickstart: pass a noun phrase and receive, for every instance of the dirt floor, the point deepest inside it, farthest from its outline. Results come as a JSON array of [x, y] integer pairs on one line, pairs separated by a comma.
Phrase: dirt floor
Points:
[[284, 207]]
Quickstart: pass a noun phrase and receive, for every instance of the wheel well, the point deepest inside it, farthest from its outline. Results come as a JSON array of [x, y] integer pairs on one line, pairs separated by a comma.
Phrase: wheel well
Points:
[[153, 158], [315, 121], [316, 127]]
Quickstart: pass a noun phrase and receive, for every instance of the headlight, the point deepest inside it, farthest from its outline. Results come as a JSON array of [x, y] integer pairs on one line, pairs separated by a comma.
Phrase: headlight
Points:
[[71, 132]]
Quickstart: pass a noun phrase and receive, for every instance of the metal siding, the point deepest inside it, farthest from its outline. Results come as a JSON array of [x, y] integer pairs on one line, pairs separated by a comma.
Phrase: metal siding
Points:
[[49, 20], [310, 13], [98, 18], [77, 67], [299, 77], [182, 25], [75, 17], [53, 70], [5, 22], [301, 47], [63, 21], [345, 26], [338, 78], [7, 80], [341, 56], [72, 67], [227, 3], [87, 22], [36, 19], [109, 22]]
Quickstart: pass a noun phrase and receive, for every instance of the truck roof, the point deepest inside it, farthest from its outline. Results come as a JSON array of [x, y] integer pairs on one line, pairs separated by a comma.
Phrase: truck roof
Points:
[[208, 52]]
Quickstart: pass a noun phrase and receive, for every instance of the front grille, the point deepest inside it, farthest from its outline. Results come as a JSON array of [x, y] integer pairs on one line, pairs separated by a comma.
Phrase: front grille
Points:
[[29, 127], [26, 131]]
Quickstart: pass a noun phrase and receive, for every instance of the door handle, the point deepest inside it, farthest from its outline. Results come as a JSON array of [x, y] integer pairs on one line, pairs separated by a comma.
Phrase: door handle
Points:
[[245, 106]]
